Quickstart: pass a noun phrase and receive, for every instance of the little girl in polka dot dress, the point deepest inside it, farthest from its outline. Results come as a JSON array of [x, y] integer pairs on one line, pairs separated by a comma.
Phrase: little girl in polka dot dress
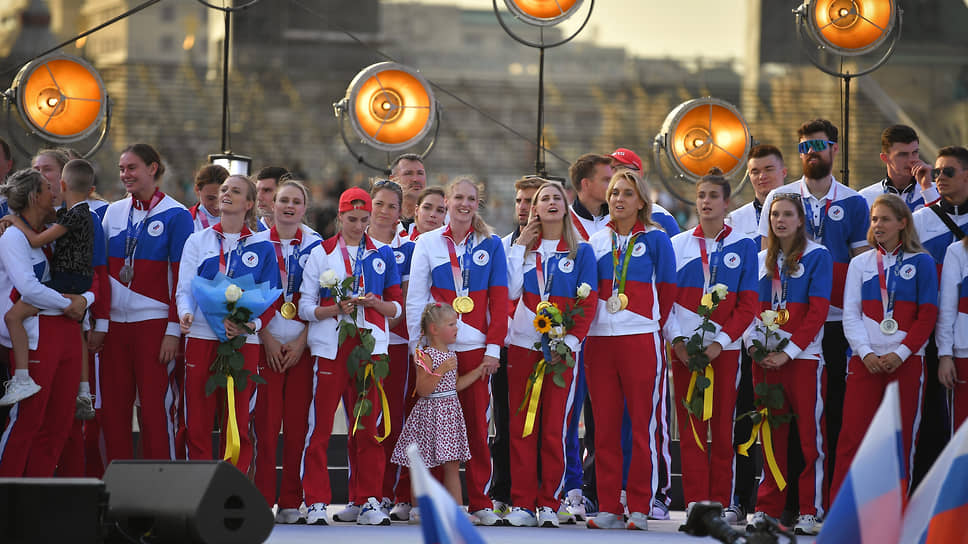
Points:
[[436, 423]]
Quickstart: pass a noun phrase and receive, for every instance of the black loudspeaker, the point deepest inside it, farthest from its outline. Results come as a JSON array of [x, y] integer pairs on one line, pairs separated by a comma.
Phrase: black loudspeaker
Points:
[[51, 510], [185, 502]]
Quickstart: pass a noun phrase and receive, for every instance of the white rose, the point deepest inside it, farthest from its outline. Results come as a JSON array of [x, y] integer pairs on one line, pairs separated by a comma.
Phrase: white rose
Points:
[[557, 332], [721, 291], [768, 317], [328, 279], [233, 293], [584, 290]]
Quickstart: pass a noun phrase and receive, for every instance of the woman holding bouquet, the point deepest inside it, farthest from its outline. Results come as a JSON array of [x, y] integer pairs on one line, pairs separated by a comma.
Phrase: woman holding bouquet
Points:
[[794, 294], [234, 249], [548, 269], [890, 309], [352, 289], [284, 361], [636, 289], [715, 303], [464, 265]]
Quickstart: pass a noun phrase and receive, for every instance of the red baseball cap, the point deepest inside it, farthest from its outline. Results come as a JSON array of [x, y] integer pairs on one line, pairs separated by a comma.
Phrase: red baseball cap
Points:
[[628, 158], [352, 194]]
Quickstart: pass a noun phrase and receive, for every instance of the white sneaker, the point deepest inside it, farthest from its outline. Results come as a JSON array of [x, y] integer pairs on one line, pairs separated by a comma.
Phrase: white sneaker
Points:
[[288, 516], [625, 505], [350, 513], [564, 514], [605, 520], [734, 515], [385, 505], [637, 522], [547, 517], [806, 525], [520, 517], [18, 390], [660, 510], [414, 518], [576, 504], [758, 519], [372, 514], [316, 515], [486, 516], [500, 508], [400, 511]]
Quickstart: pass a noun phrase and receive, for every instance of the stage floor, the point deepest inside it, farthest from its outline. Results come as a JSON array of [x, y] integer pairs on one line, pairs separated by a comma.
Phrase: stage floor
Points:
[[402, 533]]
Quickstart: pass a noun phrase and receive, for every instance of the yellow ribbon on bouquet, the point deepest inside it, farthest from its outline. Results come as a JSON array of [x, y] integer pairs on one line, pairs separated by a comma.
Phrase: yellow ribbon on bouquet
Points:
[[384, 405], [763, 428], [233, 444], [707, 400], [535, 393]]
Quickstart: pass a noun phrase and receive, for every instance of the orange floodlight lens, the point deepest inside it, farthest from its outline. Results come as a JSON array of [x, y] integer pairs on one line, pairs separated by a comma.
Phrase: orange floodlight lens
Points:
[[543, 12], [703, 133], [391, 106], [61, 98], [851, 27]]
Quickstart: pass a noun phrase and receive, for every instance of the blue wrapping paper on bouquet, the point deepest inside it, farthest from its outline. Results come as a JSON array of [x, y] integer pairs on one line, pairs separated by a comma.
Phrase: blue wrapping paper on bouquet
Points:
[[210, 296]]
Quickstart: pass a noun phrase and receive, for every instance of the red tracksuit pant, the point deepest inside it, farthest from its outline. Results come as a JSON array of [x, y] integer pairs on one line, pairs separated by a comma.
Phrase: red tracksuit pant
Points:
[[200, 409], [397, 385], [620, 371], [84, 452], [532, 489], [710, 474], [958, 404], [281, 403], [475, 401], [804, 385], [129, 366], [861, 400], [39, 425], [330, 381]]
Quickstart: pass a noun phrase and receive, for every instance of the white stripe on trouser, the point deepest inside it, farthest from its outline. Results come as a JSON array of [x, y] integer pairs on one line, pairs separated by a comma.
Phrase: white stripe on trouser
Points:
[[171, 422], [917, 423], [12, 420], [732, 428], [663, 425], [487, 419], [819, 463], [658, 399], [253, 430], [311, 420], [97, 381], [569, 402]]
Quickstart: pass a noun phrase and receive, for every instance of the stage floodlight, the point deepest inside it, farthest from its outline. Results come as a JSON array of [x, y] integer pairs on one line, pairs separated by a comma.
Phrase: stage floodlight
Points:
[[61, 98], [390, 106], [237, 165], [703, 133], [543, 12], [850, 27]]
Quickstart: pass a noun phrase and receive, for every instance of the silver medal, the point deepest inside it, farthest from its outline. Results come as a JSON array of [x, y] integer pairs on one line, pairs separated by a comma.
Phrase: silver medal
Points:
[[613, 304], [126, 274], [889, 326]]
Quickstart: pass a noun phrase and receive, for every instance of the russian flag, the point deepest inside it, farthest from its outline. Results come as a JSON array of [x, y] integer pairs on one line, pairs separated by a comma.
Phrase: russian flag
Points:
[[868, 507], [442, 520], [938, 511]]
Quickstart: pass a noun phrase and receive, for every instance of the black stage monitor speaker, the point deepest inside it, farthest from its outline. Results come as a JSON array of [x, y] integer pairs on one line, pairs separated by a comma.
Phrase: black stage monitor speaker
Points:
[[185, 502], [51, 510]]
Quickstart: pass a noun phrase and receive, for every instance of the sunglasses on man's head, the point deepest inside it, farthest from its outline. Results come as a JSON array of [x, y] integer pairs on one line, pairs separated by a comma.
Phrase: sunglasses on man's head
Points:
[[385, 182], [807, 146], [948, 171]]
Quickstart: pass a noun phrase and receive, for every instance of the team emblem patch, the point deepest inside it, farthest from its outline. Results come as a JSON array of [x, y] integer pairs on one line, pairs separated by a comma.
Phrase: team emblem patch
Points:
[[732, 260], [379, 266], [798, 272], [250, 259], [638, 249], [908, 271], [836, 213], [155, 228], [481, 257], [399, 257], [566, 265]]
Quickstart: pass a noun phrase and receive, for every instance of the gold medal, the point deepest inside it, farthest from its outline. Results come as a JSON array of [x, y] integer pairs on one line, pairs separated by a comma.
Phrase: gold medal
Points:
[[288, 310], [463, 305], [542, 305], [624, 299], [782, 316]]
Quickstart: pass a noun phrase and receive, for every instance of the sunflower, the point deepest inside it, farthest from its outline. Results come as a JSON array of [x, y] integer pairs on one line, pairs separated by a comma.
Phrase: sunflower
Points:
[[542, 323]]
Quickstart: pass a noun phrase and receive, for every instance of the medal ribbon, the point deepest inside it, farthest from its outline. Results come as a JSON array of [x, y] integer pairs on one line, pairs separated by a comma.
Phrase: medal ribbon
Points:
[[617, 276], [709, 269], [226, 265], [544, 287], [131, 235], [233, 445], [888, 282], [578, 225], [763, 430], [356, 269], [285, 265], [461, 269], [816, 232], [202, 215]]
